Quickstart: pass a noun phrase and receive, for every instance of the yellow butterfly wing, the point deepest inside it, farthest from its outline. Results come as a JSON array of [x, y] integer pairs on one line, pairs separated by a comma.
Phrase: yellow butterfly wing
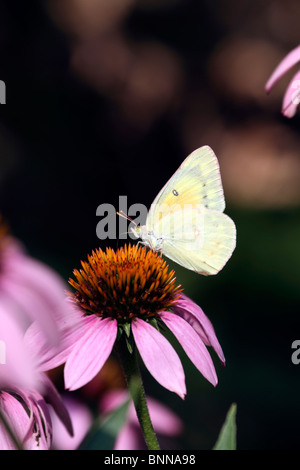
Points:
[[197, 181], [188, 215], [203, 244]]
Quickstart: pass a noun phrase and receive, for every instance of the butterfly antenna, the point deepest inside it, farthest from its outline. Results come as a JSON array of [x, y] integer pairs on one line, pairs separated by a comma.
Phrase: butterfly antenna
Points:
[[125, 216]]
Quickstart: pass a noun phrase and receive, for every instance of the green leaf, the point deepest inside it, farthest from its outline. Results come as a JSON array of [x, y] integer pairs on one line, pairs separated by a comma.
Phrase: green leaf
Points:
[[129, 345], [127, 329], [153, 322], [227, 436], [103, 433]]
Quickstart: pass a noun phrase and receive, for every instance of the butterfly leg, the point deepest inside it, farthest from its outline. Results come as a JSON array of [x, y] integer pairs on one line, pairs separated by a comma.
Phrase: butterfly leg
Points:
[[140, 243]]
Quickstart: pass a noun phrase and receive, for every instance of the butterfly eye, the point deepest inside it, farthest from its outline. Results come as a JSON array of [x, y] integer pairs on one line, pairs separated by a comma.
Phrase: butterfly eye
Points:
[[176, 193]]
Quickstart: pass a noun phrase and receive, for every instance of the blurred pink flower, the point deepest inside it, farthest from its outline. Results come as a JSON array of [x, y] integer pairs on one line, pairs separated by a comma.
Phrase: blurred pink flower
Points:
[[125, 291], [291, 97], [17, 367], [81, 418], [165, 422], [28, 417], [30, 292], [34, 291]]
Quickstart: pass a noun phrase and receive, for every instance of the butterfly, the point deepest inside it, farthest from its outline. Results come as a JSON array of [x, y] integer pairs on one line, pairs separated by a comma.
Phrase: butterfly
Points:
[[186, 222]]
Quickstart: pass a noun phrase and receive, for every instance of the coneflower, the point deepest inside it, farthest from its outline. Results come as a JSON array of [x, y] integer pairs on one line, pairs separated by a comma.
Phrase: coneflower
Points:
[[128, 299], [131, 293]]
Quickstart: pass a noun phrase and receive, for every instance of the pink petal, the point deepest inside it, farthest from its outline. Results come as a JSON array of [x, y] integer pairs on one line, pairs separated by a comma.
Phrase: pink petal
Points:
[[38, 434], [52, 356], [159, 357], [17, 366], [192, 344], [129, 438], [90, 352], [82, 419], [164, 420], [286, 64], [27, 301], [112, 400], [41, 438], [37, 290], [17, 418], [291, 97], [194, 315], [34, 274], [55, 399]]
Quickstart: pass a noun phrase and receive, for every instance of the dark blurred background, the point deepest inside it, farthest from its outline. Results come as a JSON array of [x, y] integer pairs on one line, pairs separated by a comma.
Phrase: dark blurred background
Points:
[[107, 99]]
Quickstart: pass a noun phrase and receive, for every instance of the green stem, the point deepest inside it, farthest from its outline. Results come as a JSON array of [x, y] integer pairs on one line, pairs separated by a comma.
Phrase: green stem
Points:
[[136, 389]]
